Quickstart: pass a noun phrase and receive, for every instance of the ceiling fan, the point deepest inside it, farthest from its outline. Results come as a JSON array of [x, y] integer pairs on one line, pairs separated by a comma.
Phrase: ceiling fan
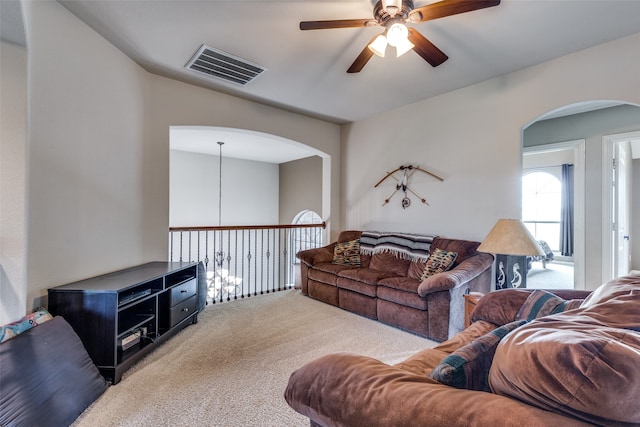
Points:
[[393, 14]]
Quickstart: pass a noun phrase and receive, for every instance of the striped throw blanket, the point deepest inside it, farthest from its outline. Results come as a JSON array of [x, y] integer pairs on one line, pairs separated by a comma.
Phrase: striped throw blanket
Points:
[[403, 245]]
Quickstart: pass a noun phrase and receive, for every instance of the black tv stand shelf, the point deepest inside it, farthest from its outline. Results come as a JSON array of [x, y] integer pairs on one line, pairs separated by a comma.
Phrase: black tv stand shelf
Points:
[[122, 316]]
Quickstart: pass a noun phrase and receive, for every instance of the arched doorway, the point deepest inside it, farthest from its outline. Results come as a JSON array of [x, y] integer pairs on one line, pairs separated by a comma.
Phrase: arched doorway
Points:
[[590, 121]]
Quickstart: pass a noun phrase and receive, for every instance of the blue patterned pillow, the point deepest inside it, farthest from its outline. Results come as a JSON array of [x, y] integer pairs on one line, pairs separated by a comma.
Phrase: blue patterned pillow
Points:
[[542, 303], [468, 367], [29, 321]]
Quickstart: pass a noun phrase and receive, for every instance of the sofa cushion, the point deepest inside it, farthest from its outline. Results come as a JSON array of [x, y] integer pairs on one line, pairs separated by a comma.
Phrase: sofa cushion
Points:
[[584, 363], [357, 286], [327, 272], [347, 235], [439, 261], [347, 253], [502, 306], [468, 367], [406, 284], [620, 288], [542, 303], [364, 275], [47, 377], [386, 261], [416, 268], [464, 248], [408, 299]]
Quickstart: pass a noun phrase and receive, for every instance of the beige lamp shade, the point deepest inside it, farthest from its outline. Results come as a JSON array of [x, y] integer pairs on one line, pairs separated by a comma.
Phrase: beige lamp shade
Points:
[[510, 237]]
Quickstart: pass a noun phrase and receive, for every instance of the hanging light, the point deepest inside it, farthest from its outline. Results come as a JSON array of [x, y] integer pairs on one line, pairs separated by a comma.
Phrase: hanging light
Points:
[[220, 281], [220, 254], [397, 36], [379, 45]]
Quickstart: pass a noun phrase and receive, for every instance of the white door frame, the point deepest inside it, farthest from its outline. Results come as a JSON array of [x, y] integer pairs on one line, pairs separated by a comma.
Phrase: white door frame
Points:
[[608, 142], [578, 147]]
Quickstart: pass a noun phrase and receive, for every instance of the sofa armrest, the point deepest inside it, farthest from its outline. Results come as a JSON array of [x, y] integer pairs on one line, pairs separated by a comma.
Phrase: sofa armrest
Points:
[[349, 390], [467, 270], [500, 307], [317, 255]]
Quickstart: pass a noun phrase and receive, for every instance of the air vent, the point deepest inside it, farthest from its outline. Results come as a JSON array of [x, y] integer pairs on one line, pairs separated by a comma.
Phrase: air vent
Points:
[[216, 63]]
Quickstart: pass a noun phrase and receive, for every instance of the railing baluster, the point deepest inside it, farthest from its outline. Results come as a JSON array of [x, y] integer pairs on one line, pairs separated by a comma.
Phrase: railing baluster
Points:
[[262, 261], [242, 266], [255, 263], [276, 250], [249, 265]]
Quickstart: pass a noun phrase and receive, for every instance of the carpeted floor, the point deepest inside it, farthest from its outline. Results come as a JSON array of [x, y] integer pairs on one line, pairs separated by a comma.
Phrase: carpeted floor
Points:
[[231, 368], [556, 275]]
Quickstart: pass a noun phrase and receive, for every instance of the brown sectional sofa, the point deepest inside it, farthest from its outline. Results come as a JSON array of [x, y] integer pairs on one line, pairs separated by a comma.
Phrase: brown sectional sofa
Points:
[[577, 367], [388, 288]]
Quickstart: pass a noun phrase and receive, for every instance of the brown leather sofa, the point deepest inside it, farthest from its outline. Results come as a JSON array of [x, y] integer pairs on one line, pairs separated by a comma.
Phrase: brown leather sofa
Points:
[[388, 288], [577, 367]]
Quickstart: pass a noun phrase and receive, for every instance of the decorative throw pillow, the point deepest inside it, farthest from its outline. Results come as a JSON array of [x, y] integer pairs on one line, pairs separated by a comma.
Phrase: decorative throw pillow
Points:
[[29, 321], [542, 303], [438, 261], [347, 253], [575, 365], [468, 367]]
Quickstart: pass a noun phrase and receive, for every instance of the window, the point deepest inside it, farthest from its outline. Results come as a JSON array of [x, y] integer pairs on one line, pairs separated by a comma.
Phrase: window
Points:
[[307, 238], [541, 206]]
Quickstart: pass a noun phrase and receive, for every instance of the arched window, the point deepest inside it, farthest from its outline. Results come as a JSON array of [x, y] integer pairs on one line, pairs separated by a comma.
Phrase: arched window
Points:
[[541, 206], [307, 238]]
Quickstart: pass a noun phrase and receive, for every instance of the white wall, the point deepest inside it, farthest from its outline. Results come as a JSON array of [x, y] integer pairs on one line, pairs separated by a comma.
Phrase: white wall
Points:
[[176, 103], [89, 156], [472, 138], [635, 224], [249, 191], [300, 187], [13, 162], [98, 172]]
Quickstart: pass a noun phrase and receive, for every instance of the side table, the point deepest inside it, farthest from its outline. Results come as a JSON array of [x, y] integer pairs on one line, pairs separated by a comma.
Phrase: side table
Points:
[[470, 301]]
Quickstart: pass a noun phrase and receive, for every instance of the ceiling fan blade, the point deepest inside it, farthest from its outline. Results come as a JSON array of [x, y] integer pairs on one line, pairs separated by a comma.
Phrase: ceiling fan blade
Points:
[[427, 50], [363, 58], [340, 23], [445, 8]]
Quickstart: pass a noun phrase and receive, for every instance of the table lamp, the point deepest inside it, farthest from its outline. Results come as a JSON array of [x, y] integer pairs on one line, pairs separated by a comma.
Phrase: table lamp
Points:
[[511, 242]]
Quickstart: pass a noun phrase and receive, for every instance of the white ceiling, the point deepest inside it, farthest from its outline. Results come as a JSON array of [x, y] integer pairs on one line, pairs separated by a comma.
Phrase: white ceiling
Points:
[[306, 70]]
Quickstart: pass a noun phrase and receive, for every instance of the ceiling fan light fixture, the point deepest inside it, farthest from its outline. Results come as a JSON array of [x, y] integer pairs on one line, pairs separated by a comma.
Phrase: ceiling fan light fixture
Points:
[[403, 47], [379, 45], [397, 34]]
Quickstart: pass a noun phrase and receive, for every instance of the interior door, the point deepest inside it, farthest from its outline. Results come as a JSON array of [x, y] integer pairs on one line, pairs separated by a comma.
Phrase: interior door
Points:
[[621, 208]]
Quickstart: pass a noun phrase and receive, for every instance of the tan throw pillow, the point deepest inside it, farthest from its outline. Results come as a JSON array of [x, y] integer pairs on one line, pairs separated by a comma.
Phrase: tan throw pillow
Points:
[[347, 253], [438, 262]]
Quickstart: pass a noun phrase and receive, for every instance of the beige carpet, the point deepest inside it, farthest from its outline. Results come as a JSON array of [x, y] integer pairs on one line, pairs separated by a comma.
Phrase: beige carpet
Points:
[[231, 368], [556, 275]]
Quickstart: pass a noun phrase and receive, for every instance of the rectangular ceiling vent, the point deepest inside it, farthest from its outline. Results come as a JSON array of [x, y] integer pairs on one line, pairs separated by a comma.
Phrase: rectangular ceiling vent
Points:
[[223, 65]]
